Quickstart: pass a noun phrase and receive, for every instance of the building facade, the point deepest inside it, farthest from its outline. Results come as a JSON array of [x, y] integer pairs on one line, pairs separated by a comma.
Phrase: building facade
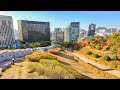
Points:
[[74, 26], [53, 35], [82, 34], [33, 31], [67, 34], [71, 33], [91, 30], [60, 36], [57, 29], [6, 31]]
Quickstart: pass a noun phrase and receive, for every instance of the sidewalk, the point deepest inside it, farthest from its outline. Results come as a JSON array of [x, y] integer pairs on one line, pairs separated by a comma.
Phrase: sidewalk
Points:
[[86, 73], [7, 63], [102, 67]]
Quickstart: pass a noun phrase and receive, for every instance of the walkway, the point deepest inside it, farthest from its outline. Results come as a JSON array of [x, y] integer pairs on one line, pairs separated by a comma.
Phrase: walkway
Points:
[[7, 63], [102, 67], [87, 74]]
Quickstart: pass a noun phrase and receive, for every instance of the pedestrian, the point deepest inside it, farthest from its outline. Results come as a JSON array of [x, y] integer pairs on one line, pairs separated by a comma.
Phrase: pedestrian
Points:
[[13, 60]]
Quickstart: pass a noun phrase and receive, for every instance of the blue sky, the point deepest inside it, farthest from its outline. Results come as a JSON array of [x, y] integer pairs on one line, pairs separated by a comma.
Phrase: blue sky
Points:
[[63, 18]]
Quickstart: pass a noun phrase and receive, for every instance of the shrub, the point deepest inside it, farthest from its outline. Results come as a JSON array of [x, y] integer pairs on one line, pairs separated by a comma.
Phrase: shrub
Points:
[[54, 51], [76, 58], [106, 48], [95, 55], [114, 58], [88, 52], [51, 57], [93, 47], [35, 57], [106, 57], [98, 47]]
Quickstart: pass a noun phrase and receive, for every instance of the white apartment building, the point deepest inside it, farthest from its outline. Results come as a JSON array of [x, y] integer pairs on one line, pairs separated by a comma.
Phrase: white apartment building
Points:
[[6, 31]]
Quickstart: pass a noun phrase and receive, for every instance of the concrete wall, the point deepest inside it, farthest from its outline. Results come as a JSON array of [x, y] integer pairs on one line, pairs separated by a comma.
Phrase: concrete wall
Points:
[[8, 54]]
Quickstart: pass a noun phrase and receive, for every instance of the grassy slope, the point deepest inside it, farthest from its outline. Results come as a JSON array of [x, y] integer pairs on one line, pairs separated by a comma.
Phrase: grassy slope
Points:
[[25, 70], [98, 60]]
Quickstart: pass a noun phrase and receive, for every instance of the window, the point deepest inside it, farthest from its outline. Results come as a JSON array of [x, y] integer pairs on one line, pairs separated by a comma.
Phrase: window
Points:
[[9, 22], [3, 22]]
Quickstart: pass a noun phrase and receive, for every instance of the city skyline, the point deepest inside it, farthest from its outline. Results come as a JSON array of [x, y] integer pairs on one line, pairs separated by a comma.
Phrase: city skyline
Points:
[[63, 18]]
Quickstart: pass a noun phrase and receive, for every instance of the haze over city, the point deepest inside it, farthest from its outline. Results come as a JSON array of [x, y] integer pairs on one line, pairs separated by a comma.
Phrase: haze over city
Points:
[[63, 18]]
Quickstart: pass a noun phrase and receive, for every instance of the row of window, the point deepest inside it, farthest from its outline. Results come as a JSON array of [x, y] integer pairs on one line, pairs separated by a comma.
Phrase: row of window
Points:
[[5, 27], [4, 22]]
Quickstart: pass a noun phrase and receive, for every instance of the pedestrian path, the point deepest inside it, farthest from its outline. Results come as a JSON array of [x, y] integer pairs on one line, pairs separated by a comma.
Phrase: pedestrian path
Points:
[[7, 63], [87, 74], [102, 67]]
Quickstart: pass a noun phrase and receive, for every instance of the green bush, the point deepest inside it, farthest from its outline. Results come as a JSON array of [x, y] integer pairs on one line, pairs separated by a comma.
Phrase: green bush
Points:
[[95, 55], [98, 47], [114, 58], [88, 52], [106, 48], [106, 57], [51, 57], [93, 47]]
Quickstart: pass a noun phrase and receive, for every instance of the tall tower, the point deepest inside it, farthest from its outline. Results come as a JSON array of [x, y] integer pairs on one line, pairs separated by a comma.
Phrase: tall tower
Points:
[[74, 26], [91, 30], [6, 31]]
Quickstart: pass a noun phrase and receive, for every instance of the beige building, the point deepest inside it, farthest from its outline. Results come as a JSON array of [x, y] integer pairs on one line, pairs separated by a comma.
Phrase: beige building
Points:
[[6, 31], [58, 34]]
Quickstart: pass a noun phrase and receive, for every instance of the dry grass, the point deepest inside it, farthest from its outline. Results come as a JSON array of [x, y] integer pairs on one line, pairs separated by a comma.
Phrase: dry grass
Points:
[[54, 51], [45, 69], [98, 71], [93, 68], [99, 60]]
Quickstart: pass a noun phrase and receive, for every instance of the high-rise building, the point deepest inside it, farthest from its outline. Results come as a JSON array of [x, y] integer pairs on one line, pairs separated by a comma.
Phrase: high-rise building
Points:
[[67, 34], [33, 31], [91, 30], [6, 31], [57, 29], [60, 36], [53, 35], [74, 26], [82, 34], [71, 33]]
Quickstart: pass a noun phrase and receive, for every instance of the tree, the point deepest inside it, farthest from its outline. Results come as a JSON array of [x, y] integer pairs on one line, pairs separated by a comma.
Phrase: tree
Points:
[[67, 44], [115, 43], [35, 44], [21, 46], [27, 45]]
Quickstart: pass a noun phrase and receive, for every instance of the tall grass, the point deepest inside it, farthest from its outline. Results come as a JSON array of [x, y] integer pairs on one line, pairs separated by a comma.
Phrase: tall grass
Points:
[[55, 62], [50, 71]]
